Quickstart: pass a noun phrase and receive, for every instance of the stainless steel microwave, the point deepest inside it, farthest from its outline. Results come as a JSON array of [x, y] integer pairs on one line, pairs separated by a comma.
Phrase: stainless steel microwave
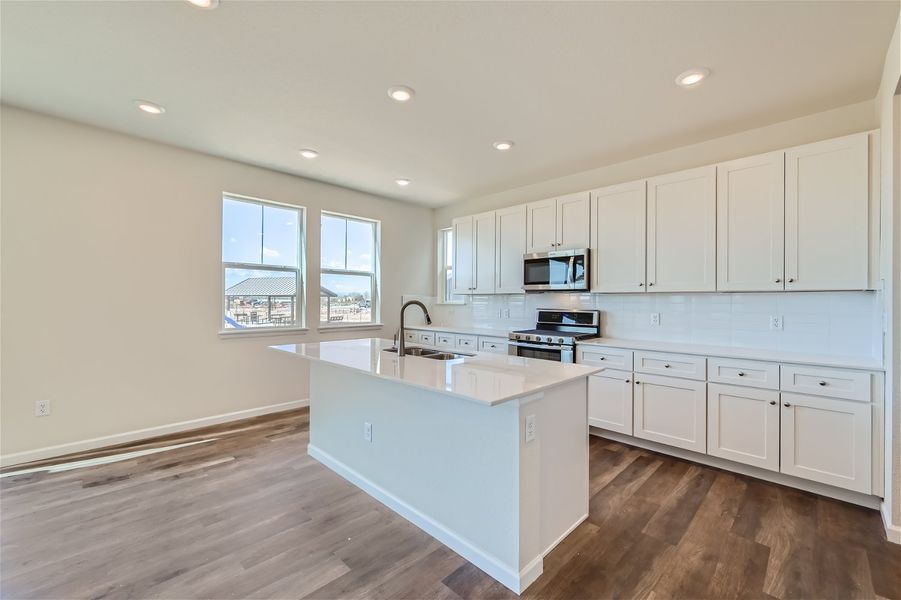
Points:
[[562, 270]]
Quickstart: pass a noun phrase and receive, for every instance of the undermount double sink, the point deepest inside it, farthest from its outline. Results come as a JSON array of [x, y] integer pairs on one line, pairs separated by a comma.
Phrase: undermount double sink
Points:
[[428, 353]]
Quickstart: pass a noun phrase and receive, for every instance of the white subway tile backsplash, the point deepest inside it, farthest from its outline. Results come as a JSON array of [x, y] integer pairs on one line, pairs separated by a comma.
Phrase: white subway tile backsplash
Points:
[[840, 323]]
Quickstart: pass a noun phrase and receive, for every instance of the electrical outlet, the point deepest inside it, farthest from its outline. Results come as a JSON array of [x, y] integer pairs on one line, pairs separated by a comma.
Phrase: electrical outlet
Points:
[[42, 408], [367, 432], [655, 319], [531, 428], [506, 313], [776, 323]]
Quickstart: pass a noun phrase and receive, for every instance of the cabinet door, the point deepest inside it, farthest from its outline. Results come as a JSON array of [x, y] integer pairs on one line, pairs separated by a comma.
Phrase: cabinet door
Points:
[[610, 401], [671, 411], [743, 425], [464, 255], [682, 231], [573, 221], [750, 211], [541, 226], [483, 277], [827, 440], [618, 216], [510, 246], [827, 215]]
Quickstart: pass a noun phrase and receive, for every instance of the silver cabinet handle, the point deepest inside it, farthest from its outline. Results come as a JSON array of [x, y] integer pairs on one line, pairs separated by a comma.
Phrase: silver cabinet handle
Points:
[[602, 358], [787, 405], [666, 366], [791, 279], [823, 383], [650, 284], [778, 280], [741, 374], [637, 382], [641, 284], [627, 381], [772, 403]]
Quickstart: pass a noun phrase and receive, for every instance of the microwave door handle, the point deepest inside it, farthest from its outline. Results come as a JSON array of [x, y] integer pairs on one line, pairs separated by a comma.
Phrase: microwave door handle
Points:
[[571, 273]]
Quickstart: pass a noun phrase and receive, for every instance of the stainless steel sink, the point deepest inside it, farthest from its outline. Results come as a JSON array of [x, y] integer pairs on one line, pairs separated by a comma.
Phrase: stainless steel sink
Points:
[[428, 353]]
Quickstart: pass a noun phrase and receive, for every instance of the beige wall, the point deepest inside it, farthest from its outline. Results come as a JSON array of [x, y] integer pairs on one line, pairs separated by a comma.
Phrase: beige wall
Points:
[[111, 281], [887, 112], [833, 123]]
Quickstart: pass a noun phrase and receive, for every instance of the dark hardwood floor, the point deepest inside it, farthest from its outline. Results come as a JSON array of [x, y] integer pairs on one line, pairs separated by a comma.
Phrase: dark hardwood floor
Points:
[[250, 515]]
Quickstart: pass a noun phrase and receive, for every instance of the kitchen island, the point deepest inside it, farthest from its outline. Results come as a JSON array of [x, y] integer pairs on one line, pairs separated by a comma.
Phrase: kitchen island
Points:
[[487, 453]]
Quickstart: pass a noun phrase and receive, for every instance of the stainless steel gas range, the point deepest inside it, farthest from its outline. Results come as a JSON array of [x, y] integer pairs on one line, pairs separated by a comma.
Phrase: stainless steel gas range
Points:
[[555, 334]]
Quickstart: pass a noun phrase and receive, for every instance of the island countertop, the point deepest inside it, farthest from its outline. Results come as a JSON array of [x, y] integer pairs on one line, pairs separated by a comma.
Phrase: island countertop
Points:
[[485, 378]]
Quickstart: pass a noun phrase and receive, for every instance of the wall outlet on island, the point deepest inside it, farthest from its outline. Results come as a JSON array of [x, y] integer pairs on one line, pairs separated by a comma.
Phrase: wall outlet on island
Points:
[[42, 408], [531, 428], [655, 319], [367, 431], [776, 323]]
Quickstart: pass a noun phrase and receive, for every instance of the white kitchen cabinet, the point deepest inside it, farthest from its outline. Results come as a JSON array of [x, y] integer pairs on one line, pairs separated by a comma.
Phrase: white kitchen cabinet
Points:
[[671, 411], [743, 425], [474, 254], [618, 222], [510, 246], [573, 222], [541, 226], [464, 255], [681, 231], [483, 279], [827, 440], [610, 401], [559, 223], [827, 215], [750, 209]]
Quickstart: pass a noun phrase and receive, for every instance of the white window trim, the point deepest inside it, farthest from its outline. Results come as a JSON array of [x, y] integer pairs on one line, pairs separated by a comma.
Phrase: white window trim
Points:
[[299, 325], [440, 279], [374, 275]]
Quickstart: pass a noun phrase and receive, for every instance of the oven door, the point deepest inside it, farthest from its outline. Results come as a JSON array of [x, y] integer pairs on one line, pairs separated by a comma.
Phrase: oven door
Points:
[[543, 351]]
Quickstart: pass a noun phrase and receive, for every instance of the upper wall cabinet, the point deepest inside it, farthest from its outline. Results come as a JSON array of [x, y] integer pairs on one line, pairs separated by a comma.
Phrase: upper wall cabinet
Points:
[[750, 208], [511, 245], [558, 224], [827, 215], [618, 220], [474, 254], [681, 247]]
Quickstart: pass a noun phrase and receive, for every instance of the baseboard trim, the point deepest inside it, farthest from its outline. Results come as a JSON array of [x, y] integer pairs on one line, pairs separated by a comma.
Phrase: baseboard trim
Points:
[[728, 465], [514, 580], [17, 458], [892, 532]]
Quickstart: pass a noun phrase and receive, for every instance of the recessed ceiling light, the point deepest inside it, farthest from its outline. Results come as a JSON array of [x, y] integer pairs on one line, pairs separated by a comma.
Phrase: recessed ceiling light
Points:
[[505, 145], [151, 108], [400, 93], [692, 77], [403, 182], [208, 4], [309, 153]]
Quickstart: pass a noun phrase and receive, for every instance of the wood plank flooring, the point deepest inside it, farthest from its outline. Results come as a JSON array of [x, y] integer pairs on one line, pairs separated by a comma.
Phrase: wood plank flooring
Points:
[[250, 515]]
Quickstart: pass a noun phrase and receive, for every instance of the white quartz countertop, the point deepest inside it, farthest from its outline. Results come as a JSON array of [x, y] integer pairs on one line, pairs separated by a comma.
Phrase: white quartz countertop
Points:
[[486, 378], [804, 358], [483, 331]]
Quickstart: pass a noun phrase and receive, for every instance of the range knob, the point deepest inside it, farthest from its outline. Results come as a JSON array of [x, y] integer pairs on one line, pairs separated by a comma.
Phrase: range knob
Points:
[[550, 339], [560, 340]]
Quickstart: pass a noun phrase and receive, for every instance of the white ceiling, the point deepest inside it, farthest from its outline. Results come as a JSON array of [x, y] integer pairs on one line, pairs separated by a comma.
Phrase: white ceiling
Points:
[[576, 85]]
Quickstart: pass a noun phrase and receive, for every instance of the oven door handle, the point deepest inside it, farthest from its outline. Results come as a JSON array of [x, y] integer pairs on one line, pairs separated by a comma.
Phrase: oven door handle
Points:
[[538, 346]]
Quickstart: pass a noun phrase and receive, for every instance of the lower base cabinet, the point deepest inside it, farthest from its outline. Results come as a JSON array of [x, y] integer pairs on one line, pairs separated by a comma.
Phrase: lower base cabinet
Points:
[[827, 440], [671, 411], [610, 401], [743, 425]]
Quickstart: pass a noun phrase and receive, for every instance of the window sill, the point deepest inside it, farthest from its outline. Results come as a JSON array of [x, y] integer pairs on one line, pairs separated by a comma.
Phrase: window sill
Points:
[[260, 332], [453, 303], [363, 326]]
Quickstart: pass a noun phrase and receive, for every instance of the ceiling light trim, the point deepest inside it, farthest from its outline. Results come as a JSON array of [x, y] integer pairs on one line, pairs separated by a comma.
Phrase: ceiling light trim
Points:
[[692, 77]]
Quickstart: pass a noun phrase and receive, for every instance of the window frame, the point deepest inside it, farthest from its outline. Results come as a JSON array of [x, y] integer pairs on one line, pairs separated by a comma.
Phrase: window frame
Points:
[[374, 276], [299, 324], [445, 295]]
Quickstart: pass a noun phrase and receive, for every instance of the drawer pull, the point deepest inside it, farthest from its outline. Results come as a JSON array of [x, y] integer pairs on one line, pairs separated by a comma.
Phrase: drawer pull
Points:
[[666, 366], [741, 374], [637, 382], [602, 358], [787, 405], [772, 403], [627, 381], [823, 383]]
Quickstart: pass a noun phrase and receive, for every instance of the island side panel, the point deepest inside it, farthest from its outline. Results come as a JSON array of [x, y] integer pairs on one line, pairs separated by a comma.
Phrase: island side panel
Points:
[[452, 460]]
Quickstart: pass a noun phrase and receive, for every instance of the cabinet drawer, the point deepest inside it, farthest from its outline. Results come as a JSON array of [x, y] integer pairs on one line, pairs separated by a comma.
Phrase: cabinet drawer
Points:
[[749, 373], [612, 358], [835, 383], [427, 338], [673, 365], [496, 345], [411, 336], [467, 341], [445, 339]]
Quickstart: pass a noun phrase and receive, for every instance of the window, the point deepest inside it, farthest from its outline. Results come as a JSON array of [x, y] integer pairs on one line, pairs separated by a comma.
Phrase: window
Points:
[[446, 268], [349, 265], [262, 264]]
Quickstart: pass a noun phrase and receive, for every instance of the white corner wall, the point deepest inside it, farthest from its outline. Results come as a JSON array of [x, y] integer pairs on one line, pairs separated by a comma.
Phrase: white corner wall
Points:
[[110, 288]]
